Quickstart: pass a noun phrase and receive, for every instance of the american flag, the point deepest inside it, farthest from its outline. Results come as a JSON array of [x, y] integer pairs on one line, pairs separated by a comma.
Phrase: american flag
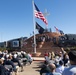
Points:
[[58, 30], [39, 14]]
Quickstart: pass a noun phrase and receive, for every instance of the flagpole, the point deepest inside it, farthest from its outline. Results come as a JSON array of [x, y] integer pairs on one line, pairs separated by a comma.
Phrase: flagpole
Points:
[[34, 27]]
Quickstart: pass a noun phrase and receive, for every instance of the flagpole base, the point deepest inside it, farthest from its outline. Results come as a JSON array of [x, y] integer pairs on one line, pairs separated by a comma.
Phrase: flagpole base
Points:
[[37, 54]]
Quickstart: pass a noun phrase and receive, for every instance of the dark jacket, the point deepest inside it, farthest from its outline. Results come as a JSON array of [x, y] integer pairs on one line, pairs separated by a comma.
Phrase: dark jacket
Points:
[[44, 69], [17, 61], [4, 71], [9, 62]]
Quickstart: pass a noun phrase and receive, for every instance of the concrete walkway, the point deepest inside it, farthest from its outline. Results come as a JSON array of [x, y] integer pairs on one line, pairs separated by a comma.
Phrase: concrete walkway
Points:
[[32, 69], [38, 58]]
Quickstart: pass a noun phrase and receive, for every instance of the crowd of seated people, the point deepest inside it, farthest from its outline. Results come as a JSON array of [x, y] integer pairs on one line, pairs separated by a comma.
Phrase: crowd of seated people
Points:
[[62, 64], [13, 62]]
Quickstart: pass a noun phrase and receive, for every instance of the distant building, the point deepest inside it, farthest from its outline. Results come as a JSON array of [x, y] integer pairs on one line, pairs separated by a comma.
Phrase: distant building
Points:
[[14, 43]]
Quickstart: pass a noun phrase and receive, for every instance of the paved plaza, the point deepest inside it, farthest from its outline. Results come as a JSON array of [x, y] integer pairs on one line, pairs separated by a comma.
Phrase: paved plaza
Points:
[[32, 69]]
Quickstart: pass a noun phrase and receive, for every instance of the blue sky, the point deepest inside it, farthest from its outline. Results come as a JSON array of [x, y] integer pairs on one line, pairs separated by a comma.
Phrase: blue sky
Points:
[[16, 17]]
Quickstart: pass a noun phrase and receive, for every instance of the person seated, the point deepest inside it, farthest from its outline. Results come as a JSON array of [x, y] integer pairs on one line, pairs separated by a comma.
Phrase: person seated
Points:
[[3, 70], [8, 62], [52, 70], [65, 59], [61, 67], [16, 60], [24, 58], [71, 70], [45, 68], [30, 59]]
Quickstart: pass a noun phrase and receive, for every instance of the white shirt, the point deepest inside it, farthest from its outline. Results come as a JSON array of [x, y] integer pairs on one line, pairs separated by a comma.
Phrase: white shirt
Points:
[[70, 71], [60, 69]]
